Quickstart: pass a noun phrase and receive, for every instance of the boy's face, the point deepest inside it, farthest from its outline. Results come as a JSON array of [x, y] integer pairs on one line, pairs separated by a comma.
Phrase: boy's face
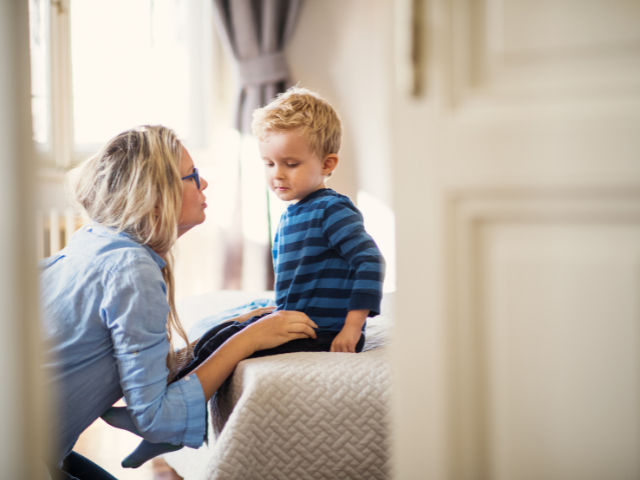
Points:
[[293, 170]]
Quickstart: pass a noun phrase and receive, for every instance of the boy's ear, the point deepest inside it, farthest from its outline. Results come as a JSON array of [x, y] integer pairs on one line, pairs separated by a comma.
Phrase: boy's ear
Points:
[[330, 163]]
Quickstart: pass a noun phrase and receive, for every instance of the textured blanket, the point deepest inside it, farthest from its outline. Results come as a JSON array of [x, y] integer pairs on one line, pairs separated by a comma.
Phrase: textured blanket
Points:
[[300, 416]]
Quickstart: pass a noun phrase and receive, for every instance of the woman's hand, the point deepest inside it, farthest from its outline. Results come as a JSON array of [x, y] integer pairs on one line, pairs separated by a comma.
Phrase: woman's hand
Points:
[[241, 318], [278, 328], [253, 313], [268, 332]]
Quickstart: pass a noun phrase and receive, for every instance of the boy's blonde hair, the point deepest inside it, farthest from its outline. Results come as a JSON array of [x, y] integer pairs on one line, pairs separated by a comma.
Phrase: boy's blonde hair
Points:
[[133, 185], [304, 111]]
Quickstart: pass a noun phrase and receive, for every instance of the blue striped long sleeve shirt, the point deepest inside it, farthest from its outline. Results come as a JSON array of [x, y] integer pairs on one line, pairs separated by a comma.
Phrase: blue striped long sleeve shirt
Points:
[[325, 262]]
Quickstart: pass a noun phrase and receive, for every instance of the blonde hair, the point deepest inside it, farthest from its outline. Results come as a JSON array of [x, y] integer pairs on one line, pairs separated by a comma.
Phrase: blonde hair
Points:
[[304, 111], [133, 185]]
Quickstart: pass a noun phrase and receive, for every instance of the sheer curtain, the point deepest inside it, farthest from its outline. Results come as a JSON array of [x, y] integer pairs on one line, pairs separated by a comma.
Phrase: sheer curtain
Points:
[[255, 34]]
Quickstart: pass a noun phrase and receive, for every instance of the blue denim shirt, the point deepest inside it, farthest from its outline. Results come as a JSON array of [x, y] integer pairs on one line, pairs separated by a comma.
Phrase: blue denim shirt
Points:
[[104, 310]]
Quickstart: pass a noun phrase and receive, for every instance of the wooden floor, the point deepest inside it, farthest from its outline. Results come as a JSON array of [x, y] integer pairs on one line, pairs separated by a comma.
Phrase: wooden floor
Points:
[[107, 446]]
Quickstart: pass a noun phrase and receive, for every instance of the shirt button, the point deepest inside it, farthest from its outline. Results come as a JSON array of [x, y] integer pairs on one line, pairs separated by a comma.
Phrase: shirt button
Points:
[[135, 353], [186, 379]]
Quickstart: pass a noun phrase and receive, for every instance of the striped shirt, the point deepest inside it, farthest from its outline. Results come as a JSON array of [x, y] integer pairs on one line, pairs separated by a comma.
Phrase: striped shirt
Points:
[[325, 262]]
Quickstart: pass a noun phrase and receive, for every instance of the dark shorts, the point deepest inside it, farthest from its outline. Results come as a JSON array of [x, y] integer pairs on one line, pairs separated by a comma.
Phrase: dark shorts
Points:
[[216, 336]]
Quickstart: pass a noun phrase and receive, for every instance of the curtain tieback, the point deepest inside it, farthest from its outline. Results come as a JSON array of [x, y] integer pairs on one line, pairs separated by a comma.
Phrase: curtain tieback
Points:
[[268, 68]]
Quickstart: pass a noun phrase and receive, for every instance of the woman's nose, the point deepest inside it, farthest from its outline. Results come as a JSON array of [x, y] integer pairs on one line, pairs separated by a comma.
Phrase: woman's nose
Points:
[[203, 184]]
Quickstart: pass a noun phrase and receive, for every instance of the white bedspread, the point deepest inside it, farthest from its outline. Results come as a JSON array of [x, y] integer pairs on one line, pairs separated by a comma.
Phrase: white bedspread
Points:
[[297, 416]]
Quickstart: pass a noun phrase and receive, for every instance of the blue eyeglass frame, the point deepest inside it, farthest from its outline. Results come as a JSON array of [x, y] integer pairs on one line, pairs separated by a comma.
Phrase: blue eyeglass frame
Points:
[[195, 175]]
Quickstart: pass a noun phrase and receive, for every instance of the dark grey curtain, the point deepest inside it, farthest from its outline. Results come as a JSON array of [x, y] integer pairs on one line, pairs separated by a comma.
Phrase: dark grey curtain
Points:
[[255, 33]]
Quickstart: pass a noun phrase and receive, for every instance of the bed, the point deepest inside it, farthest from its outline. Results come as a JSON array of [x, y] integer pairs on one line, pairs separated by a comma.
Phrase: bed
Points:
[[295, 416]]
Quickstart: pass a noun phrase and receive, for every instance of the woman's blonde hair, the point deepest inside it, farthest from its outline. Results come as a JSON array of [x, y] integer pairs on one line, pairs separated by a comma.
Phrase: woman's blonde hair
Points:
[[301, 110], [133, 185]]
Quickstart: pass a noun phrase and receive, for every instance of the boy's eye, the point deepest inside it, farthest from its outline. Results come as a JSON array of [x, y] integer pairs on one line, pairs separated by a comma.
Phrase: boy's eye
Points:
[[292, 164]]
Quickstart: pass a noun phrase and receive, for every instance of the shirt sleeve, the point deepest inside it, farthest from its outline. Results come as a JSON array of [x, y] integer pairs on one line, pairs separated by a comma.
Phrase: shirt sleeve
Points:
[[135, 311], [344, 229]]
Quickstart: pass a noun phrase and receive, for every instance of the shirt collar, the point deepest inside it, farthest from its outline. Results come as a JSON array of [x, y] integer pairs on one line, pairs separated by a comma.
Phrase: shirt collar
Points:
[[315, 194], [104, 231], [156, 258]]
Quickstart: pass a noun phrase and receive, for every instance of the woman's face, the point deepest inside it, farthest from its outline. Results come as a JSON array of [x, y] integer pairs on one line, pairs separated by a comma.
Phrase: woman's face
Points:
[[193, 200]]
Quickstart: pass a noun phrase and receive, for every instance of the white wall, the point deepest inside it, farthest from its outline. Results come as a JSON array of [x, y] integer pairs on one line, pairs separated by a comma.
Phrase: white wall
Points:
[[342, 49]]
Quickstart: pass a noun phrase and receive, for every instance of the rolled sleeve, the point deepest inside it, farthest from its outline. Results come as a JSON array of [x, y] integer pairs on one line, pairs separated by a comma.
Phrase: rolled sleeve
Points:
[[190, 392], [136, 315]]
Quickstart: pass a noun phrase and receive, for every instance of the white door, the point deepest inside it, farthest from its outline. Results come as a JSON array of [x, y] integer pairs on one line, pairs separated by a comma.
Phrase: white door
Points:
[[517, 198]]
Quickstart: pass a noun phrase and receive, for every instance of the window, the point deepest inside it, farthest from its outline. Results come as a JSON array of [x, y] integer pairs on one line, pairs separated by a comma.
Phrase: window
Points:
[[99, 68], [40, 73]]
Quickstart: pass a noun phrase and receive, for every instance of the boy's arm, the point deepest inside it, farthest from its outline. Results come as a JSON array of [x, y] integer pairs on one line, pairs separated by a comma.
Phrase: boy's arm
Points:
[[348, 337], [343, 227]]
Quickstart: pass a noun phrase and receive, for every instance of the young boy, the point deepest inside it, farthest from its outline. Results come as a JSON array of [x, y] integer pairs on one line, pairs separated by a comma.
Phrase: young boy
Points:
[[326, 265]]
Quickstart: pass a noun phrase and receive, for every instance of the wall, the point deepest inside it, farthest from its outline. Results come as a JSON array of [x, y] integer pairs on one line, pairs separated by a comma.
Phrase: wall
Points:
[[343, 50]]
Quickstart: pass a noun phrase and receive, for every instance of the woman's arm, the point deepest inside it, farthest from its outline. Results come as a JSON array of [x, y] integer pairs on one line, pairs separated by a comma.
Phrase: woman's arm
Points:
[[240, 318], [268, 332], [134, 309], [253, 313]]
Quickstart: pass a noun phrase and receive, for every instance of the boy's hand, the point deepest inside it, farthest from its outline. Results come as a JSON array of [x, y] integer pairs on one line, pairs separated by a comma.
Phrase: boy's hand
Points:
[[346, 340], [348, 337]]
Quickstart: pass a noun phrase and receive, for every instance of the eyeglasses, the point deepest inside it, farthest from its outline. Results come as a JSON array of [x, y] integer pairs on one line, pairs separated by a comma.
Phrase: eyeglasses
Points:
[[195, 175]]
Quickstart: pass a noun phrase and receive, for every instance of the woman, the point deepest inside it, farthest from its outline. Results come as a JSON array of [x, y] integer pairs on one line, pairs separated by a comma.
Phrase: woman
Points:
[[108, 301]]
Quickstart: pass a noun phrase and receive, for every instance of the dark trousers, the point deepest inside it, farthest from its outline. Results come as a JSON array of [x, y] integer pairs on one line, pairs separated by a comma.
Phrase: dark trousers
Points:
[[214, 338], [77, 467]]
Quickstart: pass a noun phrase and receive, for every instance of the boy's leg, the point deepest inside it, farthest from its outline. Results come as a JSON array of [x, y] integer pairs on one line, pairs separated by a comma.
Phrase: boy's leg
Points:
[[322, 343], [209, 334], [208, 323], [215, 330], [209, 343]]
